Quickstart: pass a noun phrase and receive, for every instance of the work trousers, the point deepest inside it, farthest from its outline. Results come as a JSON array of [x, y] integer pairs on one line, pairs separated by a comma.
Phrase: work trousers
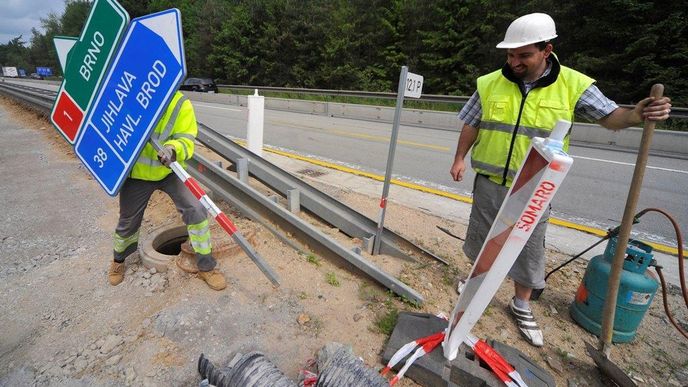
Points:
[[529, 268], [133, 200]]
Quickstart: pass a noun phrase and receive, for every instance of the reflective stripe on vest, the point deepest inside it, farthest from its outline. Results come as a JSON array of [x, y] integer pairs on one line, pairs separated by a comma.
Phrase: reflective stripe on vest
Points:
[[147, 166], [510, 120]]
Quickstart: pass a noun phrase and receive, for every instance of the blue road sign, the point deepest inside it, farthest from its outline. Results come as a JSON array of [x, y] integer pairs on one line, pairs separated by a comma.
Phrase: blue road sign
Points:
[[145, 74], [44, 71]]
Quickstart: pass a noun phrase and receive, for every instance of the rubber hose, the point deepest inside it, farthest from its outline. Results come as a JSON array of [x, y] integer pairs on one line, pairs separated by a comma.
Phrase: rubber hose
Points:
[[666, 303], [679, 243]]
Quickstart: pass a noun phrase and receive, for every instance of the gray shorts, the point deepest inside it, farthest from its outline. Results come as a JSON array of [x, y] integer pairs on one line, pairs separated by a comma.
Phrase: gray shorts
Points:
[[529, 268]]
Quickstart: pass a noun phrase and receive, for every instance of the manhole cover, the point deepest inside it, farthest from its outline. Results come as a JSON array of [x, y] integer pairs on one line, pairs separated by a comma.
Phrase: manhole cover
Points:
[[310, 172]]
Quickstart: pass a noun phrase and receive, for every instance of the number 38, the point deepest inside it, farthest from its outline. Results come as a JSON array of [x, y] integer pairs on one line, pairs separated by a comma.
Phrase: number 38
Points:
[[100, 157]]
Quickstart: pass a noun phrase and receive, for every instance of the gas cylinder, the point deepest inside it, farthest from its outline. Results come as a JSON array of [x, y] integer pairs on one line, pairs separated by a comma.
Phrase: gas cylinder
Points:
[[637, 288]]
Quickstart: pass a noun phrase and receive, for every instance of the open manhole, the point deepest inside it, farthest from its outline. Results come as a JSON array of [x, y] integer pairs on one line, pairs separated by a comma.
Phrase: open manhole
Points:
[[171, 247], [162, 247]]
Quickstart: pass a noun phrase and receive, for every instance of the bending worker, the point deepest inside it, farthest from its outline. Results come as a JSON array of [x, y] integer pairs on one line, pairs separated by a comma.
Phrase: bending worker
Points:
[[176, 131], [524, 99]]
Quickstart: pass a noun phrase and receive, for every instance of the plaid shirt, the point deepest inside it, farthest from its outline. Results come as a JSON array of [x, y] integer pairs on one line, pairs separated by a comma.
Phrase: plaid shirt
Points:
[[592, 105]]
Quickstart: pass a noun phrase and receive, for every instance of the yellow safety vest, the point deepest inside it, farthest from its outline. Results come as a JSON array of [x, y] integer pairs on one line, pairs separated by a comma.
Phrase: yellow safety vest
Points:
[[177, 128], [511, 117]]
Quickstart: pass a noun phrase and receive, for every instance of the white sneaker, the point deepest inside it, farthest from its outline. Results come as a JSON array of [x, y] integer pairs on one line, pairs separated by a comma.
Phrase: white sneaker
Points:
[[526, 324], [460, 286]]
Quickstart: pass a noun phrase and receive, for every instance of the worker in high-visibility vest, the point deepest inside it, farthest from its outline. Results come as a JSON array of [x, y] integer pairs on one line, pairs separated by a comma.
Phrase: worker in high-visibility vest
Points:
[[176, 131], [522, 100]]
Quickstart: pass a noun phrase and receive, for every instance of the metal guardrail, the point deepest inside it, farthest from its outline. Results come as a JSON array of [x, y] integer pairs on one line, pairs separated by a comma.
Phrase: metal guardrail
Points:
[[258, 207], [676, 112], [249, 199], [346, 219]]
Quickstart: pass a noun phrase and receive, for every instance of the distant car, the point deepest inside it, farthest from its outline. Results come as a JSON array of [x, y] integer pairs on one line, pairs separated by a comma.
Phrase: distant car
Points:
[[35, 76], [202, 85]]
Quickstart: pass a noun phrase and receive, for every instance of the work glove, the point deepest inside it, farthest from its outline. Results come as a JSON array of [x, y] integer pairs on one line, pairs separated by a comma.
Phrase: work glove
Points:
[[167, 155]]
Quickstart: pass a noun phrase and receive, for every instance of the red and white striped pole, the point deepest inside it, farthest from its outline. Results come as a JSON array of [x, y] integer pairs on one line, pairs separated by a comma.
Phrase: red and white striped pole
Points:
[[534, 186], [220, 217]]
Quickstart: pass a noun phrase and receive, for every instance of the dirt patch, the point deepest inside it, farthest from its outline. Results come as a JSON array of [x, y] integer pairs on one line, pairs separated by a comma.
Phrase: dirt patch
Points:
[[63, 324]]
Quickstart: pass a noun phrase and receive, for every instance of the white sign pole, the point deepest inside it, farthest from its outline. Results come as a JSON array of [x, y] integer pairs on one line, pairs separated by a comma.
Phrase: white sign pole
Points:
[[256, 115]]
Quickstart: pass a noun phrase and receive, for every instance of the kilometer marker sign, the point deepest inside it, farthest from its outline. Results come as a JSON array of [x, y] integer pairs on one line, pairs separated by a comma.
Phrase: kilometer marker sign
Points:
[[538, 179], [86, 65]]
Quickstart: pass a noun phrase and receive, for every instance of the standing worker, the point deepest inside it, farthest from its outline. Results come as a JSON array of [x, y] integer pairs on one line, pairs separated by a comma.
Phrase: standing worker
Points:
[[176, 131], [522, 100]]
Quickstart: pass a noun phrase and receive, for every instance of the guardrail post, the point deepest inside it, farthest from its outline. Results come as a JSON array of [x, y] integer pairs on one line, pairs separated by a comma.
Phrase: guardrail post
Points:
[[242, 170], [293, 201], [368, 243]]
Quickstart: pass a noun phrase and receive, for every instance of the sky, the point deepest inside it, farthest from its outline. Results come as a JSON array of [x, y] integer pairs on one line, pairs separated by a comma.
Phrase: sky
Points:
[[17, 17]]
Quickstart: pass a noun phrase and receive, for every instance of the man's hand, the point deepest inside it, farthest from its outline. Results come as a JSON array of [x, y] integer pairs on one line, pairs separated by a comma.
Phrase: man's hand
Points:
[[457, 169], [167, 155], [653, 110]]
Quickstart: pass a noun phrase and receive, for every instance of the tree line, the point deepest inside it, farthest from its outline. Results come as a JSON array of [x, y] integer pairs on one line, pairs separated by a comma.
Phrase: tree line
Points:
[[627, 45]]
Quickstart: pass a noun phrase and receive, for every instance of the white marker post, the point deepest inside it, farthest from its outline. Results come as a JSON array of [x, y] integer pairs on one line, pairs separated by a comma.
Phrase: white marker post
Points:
[[537, 181], [256, 115], [410, 85]]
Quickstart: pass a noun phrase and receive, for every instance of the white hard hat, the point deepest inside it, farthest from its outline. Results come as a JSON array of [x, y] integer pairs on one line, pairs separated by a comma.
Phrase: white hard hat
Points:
[[529, 29]]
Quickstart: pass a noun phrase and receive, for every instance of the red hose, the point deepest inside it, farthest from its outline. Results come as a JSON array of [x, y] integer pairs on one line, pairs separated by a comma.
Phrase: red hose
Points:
[[666, 304], [684, 292], [679, 242]]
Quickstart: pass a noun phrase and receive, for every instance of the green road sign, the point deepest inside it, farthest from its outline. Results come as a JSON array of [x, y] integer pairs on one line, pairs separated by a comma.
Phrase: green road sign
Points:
[[86, 65]]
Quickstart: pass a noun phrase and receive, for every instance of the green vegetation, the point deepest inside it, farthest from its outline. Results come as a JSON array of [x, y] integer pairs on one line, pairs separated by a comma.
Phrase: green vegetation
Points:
[[313, 259], [386, 321], [331, 279]]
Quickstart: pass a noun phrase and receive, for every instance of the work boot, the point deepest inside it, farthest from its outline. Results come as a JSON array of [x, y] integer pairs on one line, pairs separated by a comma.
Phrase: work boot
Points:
[[116, 273], [214, 279]]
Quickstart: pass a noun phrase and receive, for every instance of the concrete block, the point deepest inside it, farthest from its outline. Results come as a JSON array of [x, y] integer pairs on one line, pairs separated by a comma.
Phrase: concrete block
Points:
[[466, 370]]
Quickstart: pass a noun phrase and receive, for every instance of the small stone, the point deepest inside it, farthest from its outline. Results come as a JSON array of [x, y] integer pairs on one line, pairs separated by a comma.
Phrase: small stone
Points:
[[358, 316], [553, 310], [80, 365], [152, 270], [555, 364], [638, 379], [92, 347], [113, 360], [68, 360], [111, 342], [146, 274], [303, 319]]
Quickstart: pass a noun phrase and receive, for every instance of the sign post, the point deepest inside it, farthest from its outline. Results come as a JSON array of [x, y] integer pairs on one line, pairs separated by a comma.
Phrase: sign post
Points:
[[145, 74], [88, 61], [410, 85]]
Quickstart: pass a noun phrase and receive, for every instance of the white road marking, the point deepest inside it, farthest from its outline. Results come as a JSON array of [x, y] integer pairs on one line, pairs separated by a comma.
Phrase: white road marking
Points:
[[629, 164], [217, 107]]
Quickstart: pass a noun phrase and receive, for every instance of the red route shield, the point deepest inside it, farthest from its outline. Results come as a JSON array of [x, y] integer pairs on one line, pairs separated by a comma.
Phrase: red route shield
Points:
[[67, 116]]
